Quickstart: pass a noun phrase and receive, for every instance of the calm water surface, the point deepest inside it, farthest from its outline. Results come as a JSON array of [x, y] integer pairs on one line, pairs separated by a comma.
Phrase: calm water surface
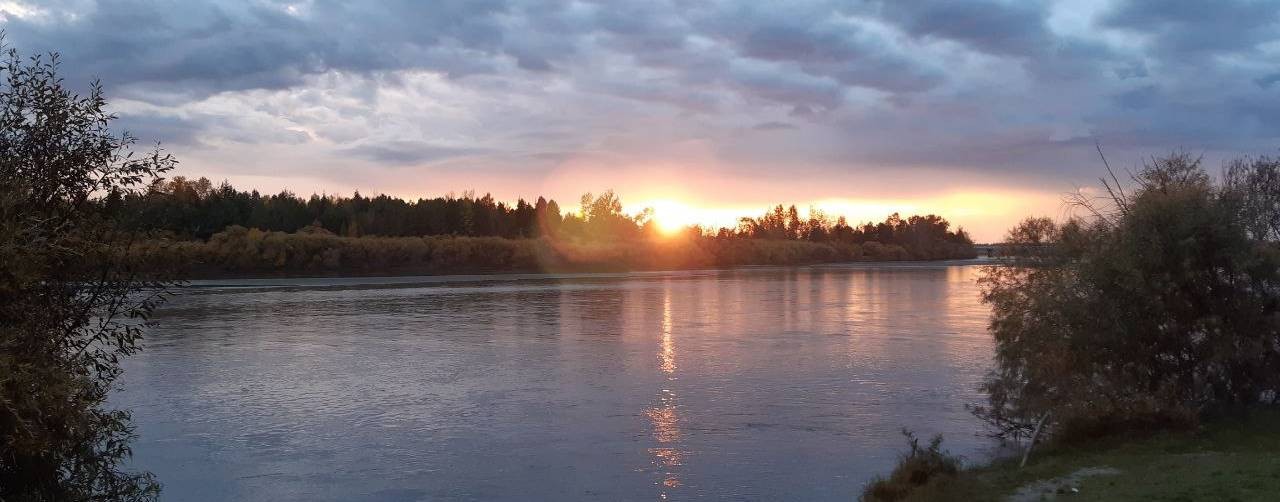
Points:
[[757, 384]]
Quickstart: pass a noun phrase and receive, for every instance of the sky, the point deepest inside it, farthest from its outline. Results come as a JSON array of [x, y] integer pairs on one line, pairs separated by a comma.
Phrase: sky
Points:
[[984, 112]]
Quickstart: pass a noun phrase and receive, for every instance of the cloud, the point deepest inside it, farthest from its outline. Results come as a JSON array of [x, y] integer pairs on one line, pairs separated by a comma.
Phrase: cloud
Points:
[[773, 126], [1142, 97], [1010, 91], [1268, 80], [166, 129], [1005, 28], [408, 152], [206, 47], [1191, 27]]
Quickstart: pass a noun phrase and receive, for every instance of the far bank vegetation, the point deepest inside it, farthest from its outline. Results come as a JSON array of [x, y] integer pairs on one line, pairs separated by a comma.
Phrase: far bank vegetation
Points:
[[219, 231]]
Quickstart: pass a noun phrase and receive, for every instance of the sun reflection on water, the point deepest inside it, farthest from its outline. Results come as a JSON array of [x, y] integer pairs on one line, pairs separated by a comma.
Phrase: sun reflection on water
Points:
[[664, 417], [668, 352]]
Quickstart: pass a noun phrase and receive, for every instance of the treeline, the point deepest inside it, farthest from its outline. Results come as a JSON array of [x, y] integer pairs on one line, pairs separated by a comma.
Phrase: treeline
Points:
[[185, 209], [220, 231], [197, 209], [240, 251], [923, 237]]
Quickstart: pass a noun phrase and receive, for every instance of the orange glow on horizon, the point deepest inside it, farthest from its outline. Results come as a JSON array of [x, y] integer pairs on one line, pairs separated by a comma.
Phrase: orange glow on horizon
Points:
[[678, 202], [672, 216], [984, 214]]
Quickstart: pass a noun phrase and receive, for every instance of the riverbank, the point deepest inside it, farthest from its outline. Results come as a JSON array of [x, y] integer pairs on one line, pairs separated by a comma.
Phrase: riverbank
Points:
[[240, 253], [1227, 459]]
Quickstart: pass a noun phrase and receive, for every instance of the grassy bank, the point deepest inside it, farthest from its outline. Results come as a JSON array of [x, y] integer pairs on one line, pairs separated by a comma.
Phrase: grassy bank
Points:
[[1236, 459]]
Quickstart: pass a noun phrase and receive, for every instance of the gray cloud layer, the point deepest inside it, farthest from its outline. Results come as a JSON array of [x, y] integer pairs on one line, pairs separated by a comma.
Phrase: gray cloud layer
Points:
[[1017, 89]]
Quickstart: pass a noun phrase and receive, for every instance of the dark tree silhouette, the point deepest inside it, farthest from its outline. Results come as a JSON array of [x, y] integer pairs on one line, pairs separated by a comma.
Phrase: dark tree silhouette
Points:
[[71, 304], [1162, 304]]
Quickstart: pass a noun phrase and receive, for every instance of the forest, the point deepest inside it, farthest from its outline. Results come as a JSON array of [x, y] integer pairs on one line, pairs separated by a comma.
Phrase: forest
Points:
[[219, 230]]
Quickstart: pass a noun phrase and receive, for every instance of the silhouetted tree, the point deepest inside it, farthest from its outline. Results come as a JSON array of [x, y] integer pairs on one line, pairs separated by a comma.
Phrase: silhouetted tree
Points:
[[1255, 183], [926, 237], [71, 303], [197, 209], [1162, 304]]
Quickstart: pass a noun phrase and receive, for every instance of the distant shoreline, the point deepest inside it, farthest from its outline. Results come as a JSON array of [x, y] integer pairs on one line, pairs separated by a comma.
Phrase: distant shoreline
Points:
[[249, 253], [477, 275]]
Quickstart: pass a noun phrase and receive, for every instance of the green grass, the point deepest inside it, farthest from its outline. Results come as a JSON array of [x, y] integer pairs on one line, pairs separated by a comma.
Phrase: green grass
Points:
[[1231, 459]]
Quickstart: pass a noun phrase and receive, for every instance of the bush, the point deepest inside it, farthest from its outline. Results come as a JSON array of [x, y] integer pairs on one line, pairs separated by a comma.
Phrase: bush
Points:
[[238, 251], [70, 307], [1161, 305], [917, 468]]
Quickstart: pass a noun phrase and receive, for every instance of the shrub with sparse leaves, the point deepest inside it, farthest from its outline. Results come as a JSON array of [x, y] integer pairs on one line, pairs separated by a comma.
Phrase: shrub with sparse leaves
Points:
[[1160, 303], [918, 467], [71, 304]]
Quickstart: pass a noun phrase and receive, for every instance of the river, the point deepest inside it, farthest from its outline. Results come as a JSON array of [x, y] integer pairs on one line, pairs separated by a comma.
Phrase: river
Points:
[[748, 384]]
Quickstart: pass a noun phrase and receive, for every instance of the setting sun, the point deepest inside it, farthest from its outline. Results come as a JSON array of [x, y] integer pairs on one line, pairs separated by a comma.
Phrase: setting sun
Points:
[[670, 216]]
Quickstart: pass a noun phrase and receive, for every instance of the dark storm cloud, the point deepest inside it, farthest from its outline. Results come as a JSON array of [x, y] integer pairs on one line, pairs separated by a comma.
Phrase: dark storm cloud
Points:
[[1142, 97], [819, 51], [193, 130], [409, 152], [1017, 29], [839, 53], [167, 130], [772, 126], [209, 47], [1183, 27], [967, 85], [1013, 28], [195, 49]]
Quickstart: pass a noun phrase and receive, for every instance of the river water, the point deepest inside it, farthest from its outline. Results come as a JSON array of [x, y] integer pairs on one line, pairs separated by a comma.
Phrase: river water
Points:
[[750, 384]]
